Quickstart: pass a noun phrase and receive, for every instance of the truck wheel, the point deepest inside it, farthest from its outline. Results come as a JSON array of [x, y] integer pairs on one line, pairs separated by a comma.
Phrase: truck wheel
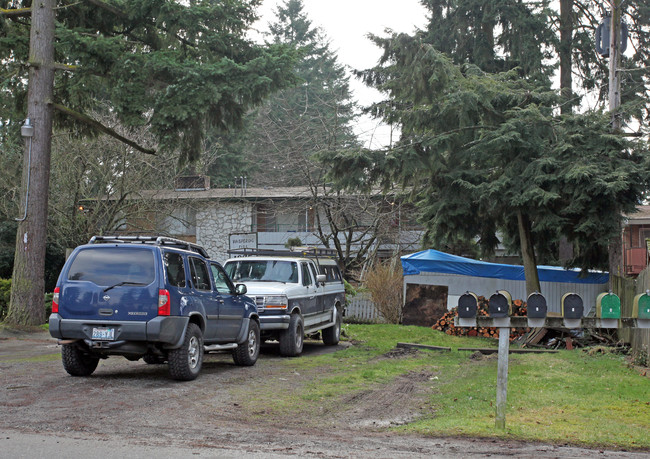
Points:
[[332, 335], [247, 352], [291, 339], [76, 362], [185, 362]]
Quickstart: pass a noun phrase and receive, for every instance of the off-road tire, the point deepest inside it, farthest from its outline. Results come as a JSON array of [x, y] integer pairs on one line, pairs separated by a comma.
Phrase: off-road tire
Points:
[[186, 361], [247, 352], [292, 339], [77, 362], [332, 335]]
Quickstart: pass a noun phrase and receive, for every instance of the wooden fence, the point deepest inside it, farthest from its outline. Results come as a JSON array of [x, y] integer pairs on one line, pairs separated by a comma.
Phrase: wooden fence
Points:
[[361, 309], [626, 289]]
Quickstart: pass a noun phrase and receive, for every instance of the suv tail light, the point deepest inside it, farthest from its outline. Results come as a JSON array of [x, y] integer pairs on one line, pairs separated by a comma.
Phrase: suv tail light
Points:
[[163, 303], [55, 300]]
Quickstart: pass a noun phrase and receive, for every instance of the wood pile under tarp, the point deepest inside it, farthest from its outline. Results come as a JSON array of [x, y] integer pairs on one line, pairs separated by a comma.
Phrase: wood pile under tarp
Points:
[[446, 322]]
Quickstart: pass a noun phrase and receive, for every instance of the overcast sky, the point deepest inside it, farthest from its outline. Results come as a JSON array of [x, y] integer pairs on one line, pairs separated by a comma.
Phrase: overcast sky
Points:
[[346, 23]]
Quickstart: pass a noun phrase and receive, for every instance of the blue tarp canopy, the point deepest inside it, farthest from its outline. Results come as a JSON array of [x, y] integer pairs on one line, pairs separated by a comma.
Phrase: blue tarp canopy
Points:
[[439, 262]]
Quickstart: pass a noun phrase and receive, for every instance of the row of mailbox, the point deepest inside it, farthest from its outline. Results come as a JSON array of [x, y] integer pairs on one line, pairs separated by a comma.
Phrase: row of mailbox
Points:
[[608, 306]]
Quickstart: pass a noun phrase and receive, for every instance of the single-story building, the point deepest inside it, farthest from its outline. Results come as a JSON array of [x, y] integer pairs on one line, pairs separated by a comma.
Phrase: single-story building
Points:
[[439, 279]]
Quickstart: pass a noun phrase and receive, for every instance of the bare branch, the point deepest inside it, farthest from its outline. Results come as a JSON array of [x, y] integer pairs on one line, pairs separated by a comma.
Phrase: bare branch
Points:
[[16, 12], [100, 127]]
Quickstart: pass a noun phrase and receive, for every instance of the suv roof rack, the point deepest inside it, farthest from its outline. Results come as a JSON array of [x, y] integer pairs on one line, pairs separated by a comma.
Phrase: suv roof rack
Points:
[[307, 252], [154, 240]]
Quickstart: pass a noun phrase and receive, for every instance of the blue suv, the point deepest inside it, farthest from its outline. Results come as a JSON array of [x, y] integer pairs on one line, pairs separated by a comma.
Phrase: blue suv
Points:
[[156, 298]]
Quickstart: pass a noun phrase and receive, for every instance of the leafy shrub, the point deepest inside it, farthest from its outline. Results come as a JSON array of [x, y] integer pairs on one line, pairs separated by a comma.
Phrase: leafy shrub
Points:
[[384, 282], [5, 295]]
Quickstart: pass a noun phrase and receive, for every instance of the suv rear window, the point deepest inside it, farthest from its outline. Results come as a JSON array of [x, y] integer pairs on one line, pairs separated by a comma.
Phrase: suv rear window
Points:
[[110, 266]]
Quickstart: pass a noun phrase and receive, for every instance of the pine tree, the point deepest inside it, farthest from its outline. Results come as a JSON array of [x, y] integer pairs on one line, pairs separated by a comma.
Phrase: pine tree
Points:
[[486, 153], [297, 123]]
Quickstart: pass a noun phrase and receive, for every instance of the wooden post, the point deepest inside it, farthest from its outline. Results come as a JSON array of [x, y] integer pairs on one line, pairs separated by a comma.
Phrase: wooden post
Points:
[[502, 377]]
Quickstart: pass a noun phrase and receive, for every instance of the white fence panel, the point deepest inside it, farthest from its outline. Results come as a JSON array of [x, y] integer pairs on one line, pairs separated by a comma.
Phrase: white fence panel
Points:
[[361, 309]]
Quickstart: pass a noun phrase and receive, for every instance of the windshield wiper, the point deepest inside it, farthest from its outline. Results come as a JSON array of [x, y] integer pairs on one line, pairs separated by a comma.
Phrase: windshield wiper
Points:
[[123, 283]]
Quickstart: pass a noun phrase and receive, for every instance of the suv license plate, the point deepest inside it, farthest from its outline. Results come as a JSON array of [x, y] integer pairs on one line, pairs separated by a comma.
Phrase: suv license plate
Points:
[[102, 333]]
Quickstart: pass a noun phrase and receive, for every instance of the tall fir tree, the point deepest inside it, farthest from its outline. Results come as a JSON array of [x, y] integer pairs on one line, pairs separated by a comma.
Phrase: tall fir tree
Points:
[[482, 149], [297, 123]]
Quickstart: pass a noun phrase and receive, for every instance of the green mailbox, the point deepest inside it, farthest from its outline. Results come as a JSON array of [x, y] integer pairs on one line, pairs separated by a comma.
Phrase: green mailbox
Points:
[[641, 309], [608, 306]]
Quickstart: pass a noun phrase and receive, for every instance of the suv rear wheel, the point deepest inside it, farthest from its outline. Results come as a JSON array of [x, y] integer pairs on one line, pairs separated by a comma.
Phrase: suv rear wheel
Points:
[[76, 362], [247, 352], [291, 339], [186, 361]]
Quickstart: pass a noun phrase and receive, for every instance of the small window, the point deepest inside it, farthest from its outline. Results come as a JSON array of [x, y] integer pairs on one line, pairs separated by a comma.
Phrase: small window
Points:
[[199, 273], [175, 269], [306, 276], [221, 281]]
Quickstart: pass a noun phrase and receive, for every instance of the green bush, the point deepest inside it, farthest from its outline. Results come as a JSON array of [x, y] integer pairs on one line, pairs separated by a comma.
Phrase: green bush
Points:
[[5, 295]]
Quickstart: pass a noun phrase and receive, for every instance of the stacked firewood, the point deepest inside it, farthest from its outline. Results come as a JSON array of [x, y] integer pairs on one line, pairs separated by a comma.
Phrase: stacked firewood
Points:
[[446, 322]]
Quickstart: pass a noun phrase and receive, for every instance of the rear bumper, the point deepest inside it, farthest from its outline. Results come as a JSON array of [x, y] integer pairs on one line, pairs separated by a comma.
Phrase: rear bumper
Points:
[[162, 329]]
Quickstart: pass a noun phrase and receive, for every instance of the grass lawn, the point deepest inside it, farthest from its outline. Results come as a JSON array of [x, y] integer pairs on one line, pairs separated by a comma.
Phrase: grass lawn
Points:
[[577, 397]]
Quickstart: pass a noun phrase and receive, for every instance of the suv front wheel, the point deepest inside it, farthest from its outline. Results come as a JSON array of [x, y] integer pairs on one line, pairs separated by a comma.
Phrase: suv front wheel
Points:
[[291, 339], [247, 352], [186, 361]]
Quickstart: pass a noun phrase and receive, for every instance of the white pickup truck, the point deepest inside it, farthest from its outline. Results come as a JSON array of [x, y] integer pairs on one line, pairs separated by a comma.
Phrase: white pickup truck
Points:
[[296, 292]]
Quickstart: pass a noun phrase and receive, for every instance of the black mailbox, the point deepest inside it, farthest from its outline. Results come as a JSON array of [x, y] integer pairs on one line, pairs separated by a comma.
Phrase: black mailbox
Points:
[[536, 306], [499, 304], [467, 305], [572, 306]]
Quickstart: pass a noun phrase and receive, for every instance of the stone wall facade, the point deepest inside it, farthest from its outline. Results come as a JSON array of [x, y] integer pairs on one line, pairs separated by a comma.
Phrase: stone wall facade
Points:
[[217, 220]]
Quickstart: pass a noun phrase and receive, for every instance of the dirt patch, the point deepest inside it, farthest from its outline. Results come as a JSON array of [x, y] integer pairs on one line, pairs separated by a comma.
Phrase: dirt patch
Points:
[[223, 410], [399, 402]]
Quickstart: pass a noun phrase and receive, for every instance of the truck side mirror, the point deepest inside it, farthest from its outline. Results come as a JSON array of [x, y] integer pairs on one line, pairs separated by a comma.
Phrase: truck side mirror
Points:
[[241, 289], [321, 278]]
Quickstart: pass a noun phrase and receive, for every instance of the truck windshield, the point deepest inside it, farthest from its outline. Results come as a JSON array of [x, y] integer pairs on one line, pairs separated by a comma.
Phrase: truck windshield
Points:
[[113, 266], [263, 270]]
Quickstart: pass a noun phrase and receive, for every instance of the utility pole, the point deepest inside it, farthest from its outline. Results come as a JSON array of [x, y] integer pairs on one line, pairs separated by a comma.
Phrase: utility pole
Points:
[[616, 245], [614, 63]]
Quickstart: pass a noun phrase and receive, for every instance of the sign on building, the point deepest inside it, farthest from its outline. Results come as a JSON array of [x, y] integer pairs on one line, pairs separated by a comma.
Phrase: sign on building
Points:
[[243, 241]]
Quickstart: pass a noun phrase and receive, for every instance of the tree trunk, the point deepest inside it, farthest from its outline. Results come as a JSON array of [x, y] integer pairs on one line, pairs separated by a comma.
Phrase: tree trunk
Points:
[[528, 254], [26, 305], [566, 45]]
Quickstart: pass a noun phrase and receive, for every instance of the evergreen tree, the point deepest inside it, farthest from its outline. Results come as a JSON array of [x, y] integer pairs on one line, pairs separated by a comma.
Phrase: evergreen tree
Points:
[[296, 123], [485, 152]]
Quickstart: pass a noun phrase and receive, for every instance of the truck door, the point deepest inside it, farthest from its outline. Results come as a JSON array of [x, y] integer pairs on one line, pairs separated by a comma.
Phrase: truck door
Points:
[[320, 298], [310, 303]]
